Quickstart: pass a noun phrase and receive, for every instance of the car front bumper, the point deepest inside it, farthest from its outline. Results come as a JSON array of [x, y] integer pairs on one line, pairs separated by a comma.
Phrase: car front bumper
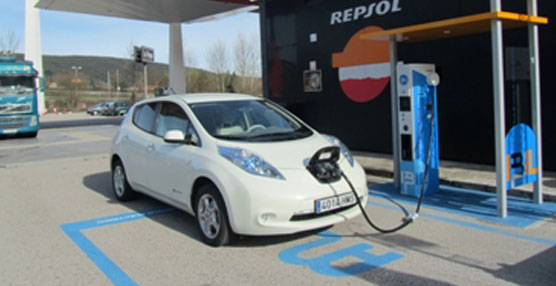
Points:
[[265, 206]]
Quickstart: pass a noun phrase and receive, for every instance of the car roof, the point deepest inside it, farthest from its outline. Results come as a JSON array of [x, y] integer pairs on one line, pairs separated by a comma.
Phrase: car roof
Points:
[[193, 98]]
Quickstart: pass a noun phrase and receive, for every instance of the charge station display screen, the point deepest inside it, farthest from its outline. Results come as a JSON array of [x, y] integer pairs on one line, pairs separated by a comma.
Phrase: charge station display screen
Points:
[[405, 104]]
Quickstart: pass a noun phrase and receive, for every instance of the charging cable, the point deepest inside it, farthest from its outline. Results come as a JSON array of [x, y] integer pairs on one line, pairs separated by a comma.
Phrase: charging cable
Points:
[[408, 219]]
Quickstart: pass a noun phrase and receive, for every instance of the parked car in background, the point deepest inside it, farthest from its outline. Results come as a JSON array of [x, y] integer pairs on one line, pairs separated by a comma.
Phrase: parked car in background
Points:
[[97, 109], [116, 108]]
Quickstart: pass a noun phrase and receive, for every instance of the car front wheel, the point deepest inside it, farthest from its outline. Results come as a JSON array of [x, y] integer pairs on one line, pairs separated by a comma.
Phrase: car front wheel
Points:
[[120, 185], [212, 219]]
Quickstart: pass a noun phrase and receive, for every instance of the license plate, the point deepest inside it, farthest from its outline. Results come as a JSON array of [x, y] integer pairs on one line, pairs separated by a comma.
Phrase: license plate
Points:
[[10, 131], [332, 203]]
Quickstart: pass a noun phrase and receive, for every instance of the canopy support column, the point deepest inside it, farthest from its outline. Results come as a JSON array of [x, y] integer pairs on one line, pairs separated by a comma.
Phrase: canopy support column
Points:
[[177, 70], [536, 96], [33, 50], [499, 110]]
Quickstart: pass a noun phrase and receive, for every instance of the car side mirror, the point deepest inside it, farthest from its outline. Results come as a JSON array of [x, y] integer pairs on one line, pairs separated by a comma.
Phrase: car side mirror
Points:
[[175, 136]]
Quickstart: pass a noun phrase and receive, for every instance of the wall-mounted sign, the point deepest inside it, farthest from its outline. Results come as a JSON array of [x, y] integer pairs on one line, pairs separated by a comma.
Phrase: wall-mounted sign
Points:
[[312, 80]]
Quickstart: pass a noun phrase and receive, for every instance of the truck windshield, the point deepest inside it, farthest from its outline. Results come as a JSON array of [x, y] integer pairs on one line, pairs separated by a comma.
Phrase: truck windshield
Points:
[[16, 84]]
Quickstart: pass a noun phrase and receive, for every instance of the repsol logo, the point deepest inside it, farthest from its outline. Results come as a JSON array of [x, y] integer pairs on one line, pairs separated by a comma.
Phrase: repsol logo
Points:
[[365, 11]]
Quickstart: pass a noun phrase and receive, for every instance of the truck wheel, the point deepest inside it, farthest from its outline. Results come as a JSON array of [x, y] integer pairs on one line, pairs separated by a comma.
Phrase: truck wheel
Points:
[[212, 218]]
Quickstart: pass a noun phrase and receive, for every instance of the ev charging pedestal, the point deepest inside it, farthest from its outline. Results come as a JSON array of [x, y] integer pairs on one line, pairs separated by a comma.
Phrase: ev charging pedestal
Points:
[[418, 128], [494, 22]]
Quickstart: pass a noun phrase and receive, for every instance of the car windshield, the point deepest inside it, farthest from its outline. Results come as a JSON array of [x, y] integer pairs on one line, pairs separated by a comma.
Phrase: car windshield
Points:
[[249, 120], [16, 84]]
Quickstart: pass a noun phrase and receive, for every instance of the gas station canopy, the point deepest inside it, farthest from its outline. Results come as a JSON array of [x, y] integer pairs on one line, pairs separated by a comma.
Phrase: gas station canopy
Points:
[[164, 11]]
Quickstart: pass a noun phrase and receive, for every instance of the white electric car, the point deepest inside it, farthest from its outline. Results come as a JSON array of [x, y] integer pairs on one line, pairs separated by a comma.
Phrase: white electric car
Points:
[[238, 163]]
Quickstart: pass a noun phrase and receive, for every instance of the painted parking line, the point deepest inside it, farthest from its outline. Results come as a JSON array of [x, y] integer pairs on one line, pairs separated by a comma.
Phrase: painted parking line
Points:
[[475, 226], [323, 264], [109, 268], [320, 264], [476, 204]]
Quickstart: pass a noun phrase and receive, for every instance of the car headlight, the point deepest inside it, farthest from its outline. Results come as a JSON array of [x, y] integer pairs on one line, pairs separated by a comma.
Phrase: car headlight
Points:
[[343, 148], [250, 162]]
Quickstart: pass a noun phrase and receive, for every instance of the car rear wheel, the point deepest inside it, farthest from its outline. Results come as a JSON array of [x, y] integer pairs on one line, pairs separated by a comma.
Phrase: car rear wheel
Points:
[[120, 185], [212, 218]]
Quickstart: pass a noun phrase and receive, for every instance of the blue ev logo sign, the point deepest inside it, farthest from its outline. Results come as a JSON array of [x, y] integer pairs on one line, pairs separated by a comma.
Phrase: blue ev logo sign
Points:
[[403, 79]]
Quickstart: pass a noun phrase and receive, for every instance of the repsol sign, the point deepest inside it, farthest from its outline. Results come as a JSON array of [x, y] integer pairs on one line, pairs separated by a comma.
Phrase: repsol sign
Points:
[[379, 8]]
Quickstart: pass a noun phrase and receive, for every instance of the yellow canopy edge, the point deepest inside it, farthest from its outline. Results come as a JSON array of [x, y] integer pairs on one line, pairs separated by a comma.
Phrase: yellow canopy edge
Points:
[[461, 26]]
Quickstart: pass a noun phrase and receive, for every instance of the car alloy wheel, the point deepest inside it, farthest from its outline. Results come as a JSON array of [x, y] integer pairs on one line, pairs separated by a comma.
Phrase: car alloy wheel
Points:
[[209, 217], [120, 185], [119, 181], [212, 218]]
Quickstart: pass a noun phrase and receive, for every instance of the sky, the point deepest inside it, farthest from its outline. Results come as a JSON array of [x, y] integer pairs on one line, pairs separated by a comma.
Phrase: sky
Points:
[[66, 33]]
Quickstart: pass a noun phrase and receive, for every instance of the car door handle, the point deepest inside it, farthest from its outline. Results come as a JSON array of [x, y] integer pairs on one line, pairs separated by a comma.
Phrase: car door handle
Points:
[[150, 147]]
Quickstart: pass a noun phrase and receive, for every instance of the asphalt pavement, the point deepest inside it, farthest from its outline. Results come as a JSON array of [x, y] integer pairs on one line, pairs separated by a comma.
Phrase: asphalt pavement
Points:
[[60, 224]]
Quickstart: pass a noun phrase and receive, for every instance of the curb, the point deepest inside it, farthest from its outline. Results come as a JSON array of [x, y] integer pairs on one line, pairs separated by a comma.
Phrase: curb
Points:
[[467, 185]]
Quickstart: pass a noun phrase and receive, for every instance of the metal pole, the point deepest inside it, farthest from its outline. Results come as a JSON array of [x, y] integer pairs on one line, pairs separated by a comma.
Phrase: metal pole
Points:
[[145, 79], [108, 81], [499, 111], [118, 82], [75, 85], [75, 82], [394, 109], [536, 97]]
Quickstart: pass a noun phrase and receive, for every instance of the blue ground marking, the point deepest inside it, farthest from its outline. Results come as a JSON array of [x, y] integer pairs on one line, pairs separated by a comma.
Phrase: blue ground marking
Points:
[[476, 204], [476, 226], [109, 268], [322, 264]]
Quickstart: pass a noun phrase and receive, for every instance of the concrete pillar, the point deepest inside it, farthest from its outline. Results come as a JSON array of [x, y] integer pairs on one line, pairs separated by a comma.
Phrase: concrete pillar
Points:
[[177, 70], [33, 50]]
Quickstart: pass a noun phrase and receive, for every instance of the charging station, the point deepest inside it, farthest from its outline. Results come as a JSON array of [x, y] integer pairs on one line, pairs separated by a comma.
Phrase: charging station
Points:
[[418, 128]]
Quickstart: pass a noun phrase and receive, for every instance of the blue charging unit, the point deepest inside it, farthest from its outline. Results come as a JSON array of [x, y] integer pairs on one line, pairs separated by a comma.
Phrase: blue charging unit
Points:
[[416, 87]]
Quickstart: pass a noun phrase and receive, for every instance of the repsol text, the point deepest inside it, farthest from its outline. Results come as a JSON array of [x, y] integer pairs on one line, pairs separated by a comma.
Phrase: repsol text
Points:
[[365, 11]]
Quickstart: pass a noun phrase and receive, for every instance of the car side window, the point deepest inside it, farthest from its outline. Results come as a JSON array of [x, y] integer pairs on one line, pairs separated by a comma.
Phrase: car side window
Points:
[[172, 117], [144, 116], [136, 114]]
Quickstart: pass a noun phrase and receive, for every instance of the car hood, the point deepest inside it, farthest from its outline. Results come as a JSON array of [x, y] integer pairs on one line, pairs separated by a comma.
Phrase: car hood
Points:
[[292, 154]]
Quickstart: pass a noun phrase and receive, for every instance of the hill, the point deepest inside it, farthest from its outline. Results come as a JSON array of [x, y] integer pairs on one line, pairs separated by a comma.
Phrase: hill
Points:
[[95, 69]]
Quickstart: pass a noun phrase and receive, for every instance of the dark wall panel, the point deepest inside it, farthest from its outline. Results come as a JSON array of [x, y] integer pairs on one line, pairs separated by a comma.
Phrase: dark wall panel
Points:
[[464, 64]]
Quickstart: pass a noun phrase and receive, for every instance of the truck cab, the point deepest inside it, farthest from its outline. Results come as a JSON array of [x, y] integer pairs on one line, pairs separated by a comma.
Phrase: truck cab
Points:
[[18, 98]]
